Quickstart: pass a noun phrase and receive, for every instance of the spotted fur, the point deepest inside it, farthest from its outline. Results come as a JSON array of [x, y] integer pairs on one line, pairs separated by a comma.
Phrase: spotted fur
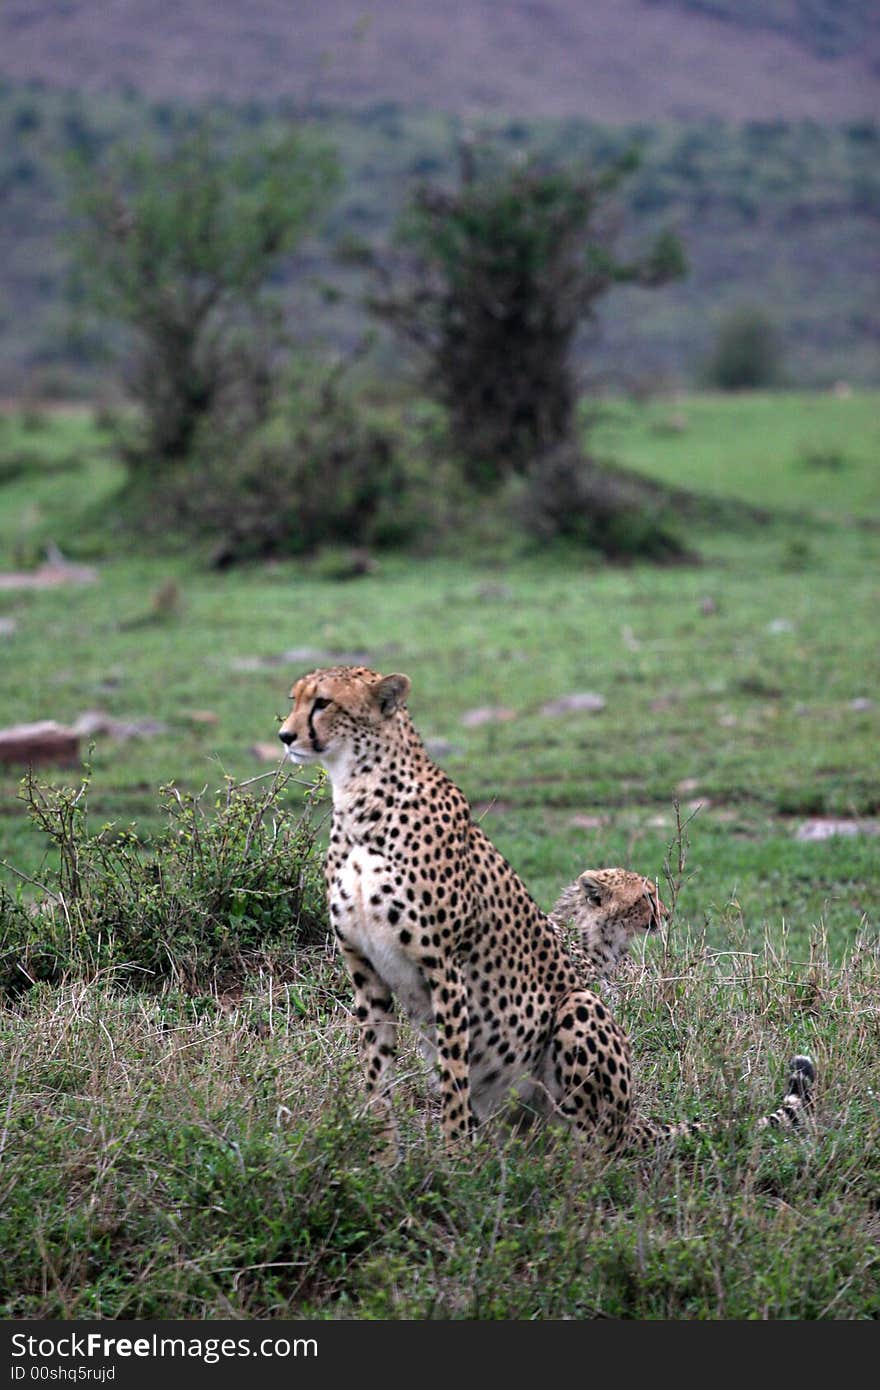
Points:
[[608, 908], [430, 917]]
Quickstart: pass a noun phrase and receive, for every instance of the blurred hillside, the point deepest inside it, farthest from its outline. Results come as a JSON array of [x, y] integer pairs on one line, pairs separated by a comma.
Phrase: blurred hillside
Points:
[[606, 60], [754, 120]]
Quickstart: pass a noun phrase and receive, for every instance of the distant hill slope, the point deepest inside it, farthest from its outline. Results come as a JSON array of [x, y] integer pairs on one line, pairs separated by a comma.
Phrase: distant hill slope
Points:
[[601, 60], [782, 215]]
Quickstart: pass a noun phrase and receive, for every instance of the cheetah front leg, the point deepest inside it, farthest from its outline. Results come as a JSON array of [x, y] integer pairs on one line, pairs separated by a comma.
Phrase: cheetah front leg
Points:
[[450, 1010], [377, 1031]]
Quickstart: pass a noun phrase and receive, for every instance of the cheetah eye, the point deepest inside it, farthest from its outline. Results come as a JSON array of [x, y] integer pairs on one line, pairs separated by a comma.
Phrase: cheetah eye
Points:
[[320, 704]]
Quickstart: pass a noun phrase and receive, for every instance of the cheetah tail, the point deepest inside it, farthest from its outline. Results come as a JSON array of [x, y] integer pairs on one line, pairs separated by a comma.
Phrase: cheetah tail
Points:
[[642, 1133], [798, 1099]]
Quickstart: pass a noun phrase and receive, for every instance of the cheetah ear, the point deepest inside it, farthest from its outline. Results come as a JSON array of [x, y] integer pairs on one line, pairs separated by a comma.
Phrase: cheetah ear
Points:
[[391, 693], [593, 889]]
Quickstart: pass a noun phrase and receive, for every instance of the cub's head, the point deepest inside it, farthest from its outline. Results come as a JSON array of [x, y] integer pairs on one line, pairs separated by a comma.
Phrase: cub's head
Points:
[[333, 709], [609, 907]]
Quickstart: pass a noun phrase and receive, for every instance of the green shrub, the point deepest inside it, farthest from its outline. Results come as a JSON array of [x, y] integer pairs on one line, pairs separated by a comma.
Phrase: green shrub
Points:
[[179, 247], [748, 353], [490, 283], [218, 890], [321, 471]]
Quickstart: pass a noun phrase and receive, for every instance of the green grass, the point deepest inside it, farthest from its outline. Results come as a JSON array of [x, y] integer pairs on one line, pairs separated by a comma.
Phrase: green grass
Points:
[[68, 472], [167, 1161], [133, 1118], [749, 708], [813, 453]]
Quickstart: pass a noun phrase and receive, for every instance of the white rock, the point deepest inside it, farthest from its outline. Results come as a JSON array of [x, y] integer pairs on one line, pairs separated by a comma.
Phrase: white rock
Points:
[[586, 701], [825, 828], [487, 714]]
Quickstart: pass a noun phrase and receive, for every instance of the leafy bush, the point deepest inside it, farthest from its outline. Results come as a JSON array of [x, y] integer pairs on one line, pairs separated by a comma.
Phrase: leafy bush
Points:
[[179, 247], [491, 282], [220, 888], [748, 353], [320, 471]]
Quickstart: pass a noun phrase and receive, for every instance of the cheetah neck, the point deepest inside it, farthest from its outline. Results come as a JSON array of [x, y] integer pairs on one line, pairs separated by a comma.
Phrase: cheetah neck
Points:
[[598, 950], [604, 948], [376, 769]]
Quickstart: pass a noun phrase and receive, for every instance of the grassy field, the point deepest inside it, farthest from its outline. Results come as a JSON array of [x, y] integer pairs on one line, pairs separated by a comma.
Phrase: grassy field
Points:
[[172, 1155]]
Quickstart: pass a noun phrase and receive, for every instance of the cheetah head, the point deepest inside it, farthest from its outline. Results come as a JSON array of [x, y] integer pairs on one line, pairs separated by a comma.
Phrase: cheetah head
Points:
[[609, 907], [333, 707]]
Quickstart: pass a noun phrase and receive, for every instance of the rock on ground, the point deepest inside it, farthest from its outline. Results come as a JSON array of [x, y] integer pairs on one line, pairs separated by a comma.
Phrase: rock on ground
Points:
[[41, 742]]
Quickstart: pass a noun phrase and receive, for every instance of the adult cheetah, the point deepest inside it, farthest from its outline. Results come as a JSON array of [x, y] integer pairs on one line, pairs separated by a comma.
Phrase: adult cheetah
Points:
[[429, 914]]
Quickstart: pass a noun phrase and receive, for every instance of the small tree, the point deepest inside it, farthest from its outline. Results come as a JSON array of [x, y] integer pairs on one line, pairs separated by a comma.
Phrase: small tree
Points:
[[501, 273], [748, 353], [178, 247]]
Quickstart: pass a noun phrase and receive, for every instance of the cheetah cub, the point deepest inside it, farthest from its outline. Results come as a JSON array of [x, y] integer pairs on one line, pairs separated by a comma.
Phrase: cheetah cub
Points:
[[608, 908], [431, 918]]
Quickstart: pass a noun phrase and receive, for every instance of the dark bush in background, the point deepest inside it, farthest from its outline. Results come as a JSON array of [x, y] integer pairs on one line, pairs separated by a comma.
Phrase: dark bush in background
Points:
[[748, 353], [491, 283], [320, 470]]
